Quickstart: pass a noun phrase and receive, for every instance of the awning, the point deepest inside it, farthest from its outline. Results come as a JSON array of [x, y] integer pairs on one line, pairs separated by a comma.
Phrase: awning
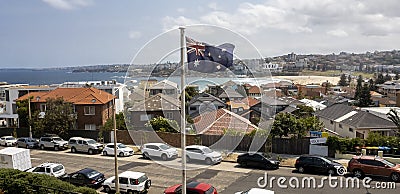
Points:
[[8, 116]]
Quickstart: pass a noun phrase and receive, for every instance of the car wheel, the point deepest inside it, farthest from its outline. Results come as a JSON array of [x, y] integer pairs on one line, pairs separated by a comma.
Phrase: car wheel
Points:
[[208, 161], [188, 159], [42, 147], [56, 148], [105, 153], [358, 173], [73, 149], [301, 169], [148, 184], [146, 155], [395, 177], [164, 157], [331, 172], [107, 189], [27, 147], [90, 151], [121, 154]]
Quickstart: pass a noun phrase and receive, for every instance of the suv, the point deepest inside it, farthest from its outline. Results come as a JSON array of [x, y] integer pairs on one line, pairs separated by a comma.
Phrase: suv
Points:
[[55, 142], [199, 152], [80, 144], [363, 165], [122, 150], [51, 169], [319, 164], [8, 141], [129, 182], [159, 150]]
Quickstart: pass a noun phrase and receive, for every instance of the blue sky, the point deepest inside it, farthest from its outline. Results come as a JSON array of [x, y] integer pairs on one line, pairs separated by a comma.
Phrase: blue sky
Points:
[[53, 33]]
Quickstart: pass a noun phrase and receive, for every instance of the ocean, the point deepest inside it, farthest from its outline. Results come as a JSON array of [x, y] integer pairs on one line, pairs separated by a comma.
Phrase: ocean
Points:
[[50, 76]]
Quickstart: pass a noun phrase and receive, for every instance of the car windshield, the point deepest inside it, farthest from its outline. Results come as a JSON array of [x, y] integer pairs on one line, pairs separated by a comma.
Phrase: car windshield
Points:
[[388, 163], [164, 147], [210, 190], [31, 140], [207, 150], [91, 141], [93, 174], [57, 139], [10, 138], [327, 160], [122, 145], [58, 168], [143, 178]]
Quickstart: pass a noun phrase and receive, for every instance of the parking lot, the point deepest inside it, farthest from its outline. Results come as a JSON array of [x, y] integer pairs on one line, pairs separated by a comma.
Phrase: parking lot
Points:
[[226, 177]]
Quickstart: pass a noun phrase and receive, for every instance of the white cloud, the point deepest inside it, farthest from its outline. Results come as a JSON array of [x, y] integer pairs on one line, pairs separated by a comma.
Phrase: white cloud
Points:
[[68, 4], [181, 10], [213, 6], [135, 34], [338, 33]]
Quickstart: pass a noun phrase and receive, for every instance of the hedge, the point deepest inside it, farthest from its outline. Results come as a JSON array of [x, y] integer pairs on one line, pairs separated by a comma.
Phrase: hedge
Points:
[[16, 181]]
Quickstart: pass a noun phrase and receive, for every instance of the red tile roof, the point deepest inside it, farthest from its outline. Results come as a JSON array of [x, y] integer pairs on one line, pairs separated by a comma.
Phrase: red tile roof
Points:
[[73, 95], [216, 122], [250, 101], [254, 90]]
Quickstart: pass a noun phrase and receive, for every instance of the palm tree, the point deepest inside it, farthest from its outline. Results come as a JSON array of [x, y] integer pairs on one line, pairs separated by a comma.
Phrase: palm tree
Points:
[[394, 117]]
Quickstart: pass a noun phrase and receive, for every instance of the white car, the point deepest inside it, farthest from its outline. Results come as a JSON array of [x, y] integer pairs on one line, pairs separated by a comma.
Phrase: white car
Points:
[[122, 150], [256, 191], [203, 153], [159, 150], [129, 182], [8, 141], [51, 169]]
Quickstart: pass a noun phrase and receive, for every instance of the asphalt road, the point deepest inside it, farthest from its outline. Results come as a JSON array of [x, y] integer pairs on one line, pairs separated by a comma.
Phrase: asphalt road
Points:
[[226, 177]]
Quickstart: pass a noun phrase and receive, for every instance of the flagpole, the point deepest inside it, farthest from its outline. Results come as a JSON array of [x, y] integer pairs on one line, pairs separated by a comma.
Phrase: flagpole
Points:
[[183, 110]]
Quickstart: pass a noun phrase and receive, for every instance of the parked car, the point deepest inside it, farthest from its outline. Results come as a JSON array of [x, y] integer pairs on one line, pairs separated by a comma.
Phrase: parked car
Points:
[[360, 166], [27, 142], [161, 150], [129, 182], [318, 164], [8, 141], [202, 153], [256, 191], [192, 187], [80, 144], [51, 169], [122, 150], [85, 177], [52, 141], [257, 160]]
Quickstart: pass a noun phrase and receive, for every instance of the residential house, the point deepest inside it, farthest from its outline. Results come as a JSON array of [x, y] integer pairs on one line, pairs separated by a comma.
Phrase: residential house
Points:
[[311, 90], [237, 106], [314, 104], [222, 121], [254, 92], [159, 105], [229, 94], [204, 102], [92, 106], [165, 87], [254, 112], [346, 121], [390, 89]]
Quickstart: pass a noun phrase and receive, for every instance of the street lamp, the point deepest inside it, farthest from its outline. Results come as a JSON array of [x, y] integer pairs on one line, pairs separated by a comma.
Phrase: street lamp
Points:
[[116, 180]]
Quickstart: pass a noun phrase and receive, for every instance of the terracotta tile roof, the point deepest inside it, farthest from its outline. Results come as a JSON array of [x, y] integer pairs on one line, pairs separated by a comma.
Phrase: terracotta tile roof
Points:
[[250, 101], [214, 123], [254, 90], [73, 95]]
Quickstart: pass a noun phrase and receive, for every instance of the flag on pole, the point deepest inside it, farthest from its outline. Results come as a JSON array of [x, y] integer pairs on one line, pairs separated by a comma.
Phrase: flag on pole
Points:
[[206, 58]]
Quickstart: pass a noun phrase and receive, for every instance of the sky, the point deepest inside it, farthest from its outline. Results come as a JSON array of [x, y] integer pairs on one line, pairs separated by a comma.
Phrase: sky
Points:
[[60, 33]]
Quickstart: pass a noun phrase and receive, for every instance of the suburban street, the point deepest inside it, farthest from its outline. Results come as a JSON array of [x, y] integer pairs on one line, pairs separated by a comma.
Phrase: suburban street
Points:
[[227, 177]]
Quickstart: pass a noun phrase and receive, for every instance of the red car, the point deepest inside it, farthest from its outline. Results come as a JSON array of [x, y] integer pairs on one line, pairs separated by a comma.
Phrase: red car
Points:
[[192, 187], [369, 165]]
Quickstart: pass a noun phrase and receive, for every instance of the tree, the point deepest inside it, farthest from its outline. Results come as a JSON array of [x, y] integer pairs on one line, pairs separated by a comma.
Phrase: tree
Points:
[[163, 125], [380, 79], [349, 80], [396, 77], [371, 84], [59, 118], [365, 97], [394, 117], [109, 125], [343, 80], [303, 111], [358, 87], [23, 113], [284, 124], [311, 124], [190, 92], [388, 77]]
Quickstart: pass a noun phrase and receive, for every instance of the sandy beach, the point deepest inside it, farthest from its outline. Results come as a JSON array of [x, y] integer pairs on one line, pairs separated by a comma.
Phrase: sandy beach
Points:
[[310, 79]]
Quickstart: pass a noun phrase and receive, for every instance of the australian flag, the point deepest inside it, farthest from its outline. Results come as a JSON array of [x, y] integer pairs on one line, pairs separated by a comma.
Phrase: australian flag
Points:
[[206, 58]]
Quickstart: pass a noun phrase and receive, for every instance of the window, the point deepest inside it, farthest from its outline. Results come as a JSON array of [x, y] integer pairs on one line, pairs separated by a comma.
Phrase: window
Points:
[[123, 180], [145, 117], [89, 110], [331, 122], [340, 126], [42, 107], [169, 115], [351, 129], [193, 108], [39, 169], [240, 109], [90, 127]]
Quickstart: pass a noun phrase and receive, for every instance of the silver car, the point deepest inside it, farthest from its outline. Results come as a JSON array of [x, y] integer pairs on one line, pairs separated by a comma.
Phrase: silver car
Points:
[[27, 142]]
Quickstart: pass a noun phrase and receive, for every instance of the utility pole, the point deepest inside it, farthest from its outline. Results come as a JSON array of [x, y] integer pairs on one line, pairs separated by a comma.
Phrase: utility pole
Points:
[[30, 115], [115, 150]]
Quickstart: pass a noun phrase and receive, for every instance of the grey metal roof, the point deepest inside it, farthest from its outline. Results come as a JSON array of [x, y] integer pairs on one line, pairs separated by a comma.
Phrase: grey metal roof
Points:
[[164, 84], [334, 111], [273, 101], [202, 97], [159, 102], [230, 93], [365, 119]]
